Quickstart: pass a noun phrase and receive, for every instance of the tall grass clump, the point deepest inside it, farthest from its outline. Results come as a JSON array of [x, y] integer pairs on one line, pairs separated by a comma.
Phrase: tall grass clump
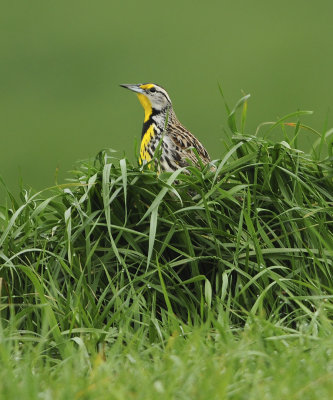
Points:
[[121, 251]]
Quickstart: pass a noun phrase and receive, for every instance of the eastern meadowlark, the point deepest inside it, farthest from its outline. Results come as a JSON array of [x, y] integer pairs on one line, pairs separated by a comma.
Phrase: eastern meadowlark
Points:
[[162, 126]]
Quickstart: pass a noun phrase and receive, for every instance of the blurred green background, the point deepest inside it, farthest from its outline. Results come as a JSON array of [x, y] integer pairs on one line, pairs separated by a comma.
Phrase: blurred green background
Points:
[[62, 61]]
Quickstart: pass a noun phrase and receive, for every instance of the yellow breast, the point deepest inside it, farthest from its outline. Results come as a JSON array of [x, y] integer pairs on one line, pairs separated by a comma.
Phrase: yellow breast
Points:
[[145, 144]]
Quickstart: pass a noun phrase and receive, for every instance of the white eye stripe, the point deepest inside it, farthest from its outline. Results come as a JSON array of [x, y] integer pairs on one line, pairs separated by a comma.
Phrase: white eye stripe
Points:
[[165, 94]]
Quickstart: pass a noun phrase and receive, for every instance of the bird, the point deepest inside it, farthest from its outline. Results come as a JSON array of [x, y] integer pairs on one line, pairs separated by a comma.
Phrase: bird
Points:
[[161, 127]]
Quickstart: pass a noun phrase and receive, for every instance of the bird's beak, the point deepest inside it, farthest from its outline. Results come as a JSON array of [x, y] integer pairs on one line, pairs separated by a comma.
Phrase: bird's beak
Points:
[[134, 88]]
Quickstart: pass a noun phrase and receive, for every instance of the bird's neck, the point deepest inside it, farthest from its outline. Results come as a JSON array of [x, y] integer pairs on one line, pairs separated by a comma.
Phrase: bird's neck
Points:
[[157, 120]]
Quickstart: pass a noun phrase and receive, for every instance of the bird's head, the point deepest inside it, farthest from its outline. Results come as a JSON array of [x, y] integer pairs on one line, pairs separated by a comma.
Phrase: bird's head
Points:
[[153, 98]]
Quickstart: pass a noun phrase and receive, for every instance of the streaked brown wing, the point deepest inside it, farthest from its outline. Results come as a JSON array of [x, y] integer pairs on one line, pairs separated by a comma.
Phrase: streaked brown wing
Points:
[[184, 140]]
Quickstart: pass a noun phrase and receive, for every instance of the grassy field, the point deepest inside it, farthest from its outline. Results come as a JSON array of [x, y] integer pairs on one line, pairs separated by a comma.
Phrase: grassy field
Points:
[[126, 284]]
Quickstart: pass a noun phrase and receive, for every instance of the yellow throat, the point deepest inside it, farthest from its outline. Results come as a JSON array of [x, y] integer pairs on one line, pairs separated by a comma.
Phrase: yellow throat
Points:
[[145, 101], [146, 106]]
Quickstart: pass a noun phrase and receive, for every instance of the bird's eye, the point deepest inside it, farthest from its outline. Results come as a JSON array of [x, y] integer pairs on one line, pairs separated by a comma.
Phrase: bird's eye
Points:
[[152, 90]]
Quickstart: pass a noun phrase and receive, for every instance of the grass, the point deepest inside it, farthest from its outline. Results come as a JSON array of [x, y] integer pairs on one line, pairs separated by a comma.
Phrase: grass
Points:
[[127, 284], [200, 365]]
